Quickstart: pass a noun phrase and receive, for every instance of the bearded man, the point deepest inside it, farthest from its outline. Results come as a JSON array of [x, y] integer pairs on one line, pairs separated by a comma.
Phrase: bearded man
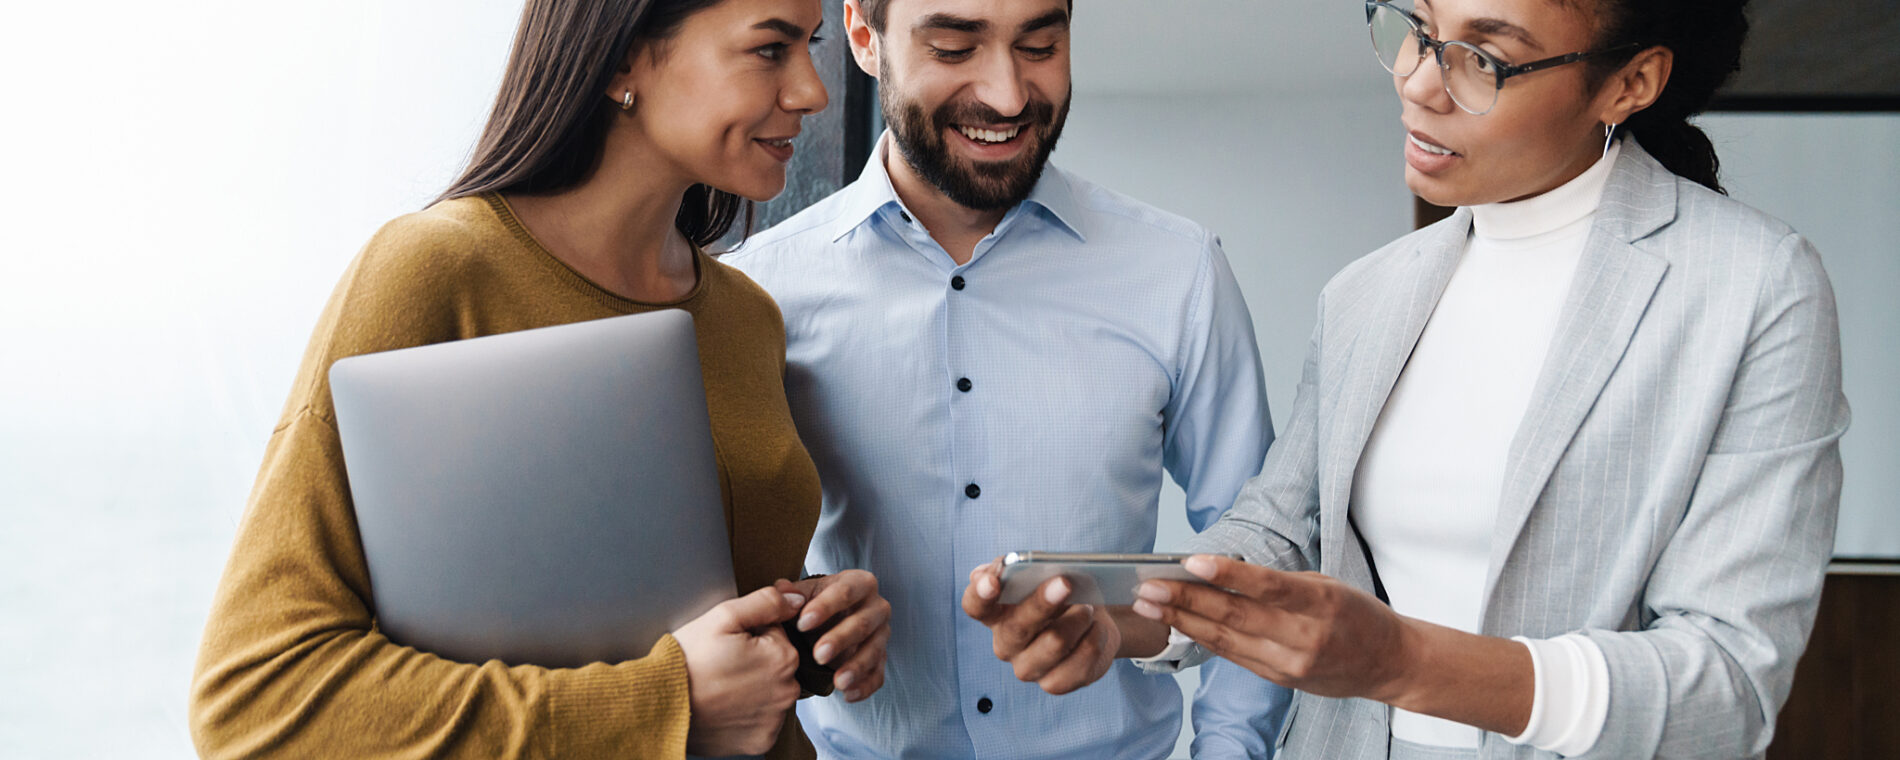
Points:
[[987, 354]]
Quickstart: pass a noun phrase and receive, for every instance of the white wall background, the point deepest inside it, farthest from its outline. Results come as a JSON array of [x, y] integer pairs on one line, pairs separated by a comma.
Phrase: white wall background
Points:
[[184, 183]]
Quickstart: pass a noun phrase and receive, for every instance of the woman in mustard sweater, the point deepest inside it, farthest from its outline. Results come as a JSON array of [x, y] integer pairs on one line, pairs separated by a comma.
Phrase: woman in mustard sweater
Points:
[[626, 137]]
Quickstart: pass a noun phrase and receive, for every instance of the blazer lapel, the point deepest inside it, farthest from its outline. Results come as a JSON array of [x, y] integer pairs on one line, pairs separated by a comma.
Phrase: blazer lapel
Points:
[[1380, 350], [1608, 296]]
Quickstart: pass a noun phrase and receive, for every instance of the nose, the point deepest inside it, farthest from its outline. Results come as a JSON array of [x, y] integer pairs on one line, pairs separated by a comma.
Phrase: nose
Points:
[[805, 93], [1426, 86], [1001, 85]]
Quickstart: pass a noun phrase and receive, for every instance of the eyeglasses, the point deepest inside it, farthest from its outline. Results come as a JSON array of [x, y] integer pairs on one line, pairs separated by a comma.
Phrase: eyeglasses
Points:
[[1470, 76]]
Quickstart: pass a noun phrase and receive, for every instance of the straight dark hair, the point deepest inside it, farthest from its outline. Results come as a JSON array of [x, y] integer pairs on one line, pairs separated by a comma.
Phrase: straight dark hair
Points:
[[1706, 37], [549, 125]]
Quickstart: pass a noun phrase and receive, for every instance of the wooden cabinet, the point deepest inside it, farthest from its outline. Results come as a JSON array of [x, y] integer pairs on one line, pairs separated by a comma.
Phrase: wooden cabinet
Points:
[[1846, 698]]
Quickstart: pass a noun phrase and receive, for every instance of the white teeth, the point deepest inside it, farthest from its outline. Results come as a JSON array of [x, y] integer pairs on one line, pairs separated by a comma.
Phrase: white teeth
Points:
[[990, 136], [1430, 148], [778, 143]]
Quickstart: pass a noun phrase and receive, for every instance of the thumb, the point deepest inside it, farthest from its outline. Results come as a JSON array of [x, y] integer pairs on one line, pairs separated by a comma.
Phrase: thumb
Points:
[[759, 609]]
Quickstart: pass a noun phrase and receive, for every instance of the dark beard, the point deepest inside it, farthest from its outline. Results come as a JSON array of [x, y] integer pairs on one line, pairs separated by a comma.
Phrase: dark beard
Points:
[[984, 186]]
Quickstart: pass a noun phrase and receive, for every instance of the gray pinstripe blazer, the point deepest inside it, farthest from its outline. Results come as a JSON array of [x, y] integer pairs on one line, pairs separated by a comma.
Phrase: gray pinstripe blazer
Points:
[[1671, 493]]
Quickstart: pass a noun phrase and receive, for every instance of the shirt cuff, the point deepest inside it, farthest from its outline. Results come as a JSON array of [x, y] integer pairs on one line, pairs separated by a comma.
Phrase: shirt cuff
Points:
[[1180, 654], [1571, 699]]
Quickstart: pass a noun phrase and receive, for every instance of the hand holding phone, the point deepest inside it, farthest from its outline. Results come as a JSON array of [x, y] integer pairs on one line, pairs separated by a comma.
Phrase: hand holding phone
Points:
[[1047, 640]]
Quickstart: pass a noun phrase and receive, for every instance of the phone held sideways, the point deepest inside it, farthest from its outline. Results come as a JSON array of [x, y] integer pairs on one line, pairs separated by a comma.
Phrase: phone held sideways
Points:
[[1108, 579]]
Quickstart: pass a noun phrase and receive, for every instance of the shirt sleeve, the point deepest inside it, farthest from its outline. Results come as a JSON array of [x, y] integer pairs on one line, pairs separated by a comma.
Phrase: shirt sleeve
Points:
[[1571, 697], [293, 664], [1218, 429]]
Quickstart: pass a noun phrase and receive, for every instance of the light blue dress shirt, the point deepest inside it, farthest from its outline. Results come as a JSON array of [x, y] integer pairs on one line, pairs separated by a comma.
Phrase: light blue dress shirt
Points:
[[1026, 400]]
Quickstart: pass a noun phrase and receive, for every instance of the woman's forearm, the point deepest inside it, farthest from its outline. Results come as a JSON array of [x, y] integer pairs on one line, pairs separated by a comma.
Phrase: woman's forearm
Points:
[[1480, 681]]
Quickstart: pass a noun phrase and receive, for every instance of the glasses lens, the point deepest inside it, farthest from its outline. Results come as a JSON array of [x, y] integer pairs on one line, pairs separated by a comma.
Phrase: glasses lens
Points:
[[1470, 77], [1394, 39]]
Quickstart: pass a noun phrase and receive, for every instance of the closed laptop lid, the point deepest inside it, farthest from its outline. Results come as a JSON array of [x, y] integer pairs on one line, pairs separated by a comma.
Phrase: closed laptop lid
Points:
[[547, 497]]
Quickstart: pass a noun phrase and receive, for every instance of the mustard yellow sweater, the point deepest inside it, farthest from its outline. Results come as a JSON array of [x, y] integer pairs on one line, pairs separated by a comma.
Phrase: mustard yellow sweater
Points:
[[292, 663]]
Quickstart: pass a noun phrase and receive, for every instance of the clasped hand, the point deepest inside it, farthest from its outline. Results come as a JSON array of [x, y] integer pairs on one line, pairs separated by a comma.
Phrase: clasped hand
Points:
[[740, 666]]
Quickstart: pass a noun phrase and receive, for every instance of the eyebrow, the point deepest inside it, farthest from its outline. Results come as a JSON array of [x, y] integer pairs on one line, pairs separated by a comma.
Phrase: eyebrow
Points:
[[1052, 19], [1501, 28], [950, 23], [786, 28], [1496, 27]]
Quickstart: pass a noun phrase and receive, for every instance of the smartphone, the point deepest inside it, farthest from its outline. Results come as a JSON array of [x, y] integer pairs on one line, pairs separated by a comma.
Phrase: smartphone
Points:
[[1108, 579]]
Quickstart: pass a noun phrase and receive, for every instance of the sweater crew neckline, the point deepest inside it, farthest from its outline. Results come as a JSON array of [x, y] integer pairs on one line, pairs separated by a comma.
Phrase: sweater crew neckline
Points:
[[1551, 211], [702, 266]]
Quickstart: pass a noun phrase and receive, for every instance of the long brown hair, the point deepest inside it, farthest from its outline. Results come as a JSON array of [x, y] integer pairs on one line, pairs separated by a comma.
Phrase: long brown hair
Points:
[[549, 124]]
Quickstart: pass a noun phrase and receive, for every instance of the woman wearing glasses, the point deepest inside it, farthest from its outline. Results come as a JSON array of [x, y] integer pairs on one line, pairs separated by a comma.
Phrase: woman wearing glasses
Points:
[[1582, 435]]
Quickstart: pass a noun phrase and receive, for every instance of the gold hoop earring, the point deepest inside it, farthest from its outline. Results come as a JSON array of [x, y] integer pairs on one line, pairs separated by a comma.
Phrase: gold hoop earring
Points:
[[626, 103]]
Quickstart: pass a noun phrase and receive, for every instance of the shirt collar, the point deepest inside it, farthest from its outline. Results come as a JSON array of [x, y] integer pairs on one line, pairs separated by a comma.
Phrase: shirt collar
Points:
[[873, 192]]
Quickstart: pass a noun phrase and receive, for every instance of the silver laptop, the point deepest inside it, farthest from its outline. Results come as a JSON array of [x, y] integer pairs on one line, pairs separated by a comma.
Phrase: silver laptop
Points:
[[545, 497]]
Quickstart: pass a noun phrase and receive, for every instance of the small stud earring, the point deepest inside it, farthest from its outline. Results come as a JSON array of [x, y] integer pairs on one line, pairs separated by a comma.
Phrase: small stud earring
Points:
[[1609, 136], [626, 103]]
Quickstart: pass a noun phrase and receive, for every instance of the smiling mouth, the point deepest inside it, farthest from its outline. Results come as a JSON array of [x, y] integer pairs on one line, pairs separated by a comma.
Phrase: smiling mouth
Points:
[[1436, 150], [786, 143], [990, 136]]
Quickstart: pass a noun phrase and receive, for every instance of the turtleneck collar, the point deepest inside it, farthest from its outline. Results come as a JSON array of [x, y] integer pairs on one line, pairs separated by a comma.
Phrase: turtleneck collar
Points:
[[1568, 204]]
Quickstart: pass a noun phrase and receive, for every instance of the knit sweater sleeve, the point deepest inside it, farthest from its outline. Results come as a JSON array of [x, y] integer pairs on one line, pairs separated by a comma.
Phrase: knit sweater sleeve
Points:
[[293, 664]]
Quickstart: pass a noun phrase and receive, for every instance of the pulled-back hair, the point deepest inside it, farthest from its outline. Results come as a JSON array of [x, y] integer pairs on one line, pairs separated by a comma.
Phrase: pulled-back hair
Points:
[[548, 128], [1706, 37]]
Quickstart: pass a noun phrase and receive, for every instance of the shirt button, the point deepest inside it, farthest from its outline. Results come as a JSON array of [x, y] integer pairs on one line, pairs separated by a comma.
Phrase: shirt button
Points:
[[984, 705], [964, 385], [905, 215], [972, 491], [956, 283]]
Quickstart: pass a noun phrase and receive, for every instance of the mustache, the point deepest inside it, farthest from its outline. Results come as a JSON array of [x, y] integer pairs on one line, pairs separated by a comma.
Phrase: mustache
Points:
[[1036, 112]]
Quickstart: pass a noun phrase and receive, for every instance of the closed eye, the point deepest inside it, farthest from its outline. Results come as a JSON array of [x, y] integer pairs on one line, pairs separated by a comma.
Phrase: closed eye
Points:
[[951, 55]]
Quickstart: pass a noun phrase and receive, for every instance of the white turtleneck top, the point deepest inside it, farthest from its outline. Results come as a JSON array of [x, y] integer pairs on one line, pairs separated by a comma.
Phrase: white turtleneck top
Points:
[[1425, 495]]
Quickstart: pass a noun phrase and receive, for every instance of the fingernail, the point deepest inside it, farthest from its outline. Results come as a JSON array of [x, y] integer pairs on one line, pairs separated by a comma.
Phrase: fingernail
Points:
[[844, 680], [822, 654], [1147, 609], [1201, 565], [986, 588], [1153, 592], [1057, 591], [797, 600], [808, 621], [852, 696]]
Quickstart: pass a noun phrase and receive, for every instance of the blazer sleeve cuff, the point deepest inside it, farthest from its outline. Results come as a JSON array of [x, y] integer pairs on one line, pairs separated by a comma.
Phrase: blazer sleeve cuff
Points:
[[1638, 698]]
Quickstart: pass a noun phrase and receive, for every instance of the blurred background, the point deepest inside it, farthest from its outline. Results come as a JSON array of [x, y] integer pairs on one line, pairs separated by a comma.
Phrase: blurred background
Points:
[[186, 181]]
